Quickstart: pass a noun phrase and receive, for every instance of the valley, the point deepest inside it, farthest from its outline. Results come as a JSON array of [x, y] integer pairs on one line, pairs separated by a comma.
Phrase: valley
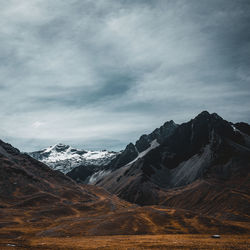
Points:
[[177, 187]]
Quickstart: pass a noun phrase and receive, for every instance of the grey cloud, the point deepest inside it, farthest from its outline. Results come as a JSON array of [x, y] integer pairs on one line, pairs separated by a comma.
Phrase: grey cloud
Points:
[[101, 73]]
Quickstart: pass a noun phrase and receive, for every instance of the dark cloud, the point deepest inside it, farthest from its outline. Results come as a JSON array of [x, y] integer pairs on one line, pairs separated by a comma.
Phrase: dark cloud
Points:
[[101, 73]]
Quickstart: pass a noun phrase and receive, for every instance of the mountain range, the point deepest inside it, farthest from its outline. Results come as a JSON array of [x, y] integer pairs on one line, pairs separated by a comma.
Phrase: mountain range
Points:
[[65, 158], [89, 166], [181, 178], [206, 153], [130, 154]]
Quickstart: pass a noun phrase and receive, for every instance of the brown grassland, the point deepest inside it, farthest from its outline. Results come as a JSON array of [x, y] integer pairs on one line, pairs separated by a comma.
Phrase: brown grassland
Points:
[[169, 241]]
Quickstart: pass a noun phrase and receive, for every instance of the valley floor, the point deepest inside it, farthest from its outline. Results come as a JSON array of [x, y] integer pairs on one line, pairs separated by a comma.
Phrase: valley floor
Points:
[[176, 241]]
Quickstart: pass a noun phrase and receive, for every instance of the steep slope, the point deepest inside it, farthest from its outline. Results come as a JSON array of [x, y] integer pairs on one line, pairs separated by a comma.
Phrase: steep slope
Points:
[[132, 152], [206, 148], [26, 182], [36, 202], [65, 158]]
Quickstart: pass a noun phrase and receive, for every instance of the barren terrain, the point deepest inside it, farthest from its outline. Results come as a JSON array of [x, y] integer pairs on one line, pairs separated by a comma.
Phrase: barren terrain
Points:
[[175, 241]]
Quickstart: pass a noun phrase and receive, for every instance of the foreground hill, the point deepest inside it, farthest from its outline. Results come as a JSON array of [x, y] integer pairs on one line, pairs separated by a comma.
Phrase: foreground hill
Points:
[[36, 202], [202, 165]]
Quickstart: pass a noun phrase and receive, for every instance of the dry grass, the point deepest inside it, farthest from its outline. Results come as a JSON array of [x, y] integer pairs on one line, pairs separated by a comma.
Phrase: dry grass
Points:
[[176, 241]]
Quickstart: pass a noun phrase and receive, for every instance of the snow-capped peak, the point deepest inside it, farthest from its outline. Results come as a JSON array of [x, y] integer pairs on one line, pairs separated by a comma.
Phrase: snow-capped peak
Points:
[[64, 157], [57, 147]]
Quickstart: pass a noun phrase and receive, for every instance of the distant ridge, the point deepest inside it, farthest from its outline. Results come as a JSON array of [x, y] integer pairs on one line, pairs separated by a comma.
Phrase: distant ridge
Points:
[[64, 157]]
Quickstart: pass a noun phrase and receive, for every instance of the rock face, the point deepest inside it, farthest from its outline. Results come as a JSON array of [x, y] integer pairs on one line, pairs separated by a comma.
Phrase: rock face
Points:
[[65, 158], [205, 150], [132, 151], [159, 134], [92, 173]]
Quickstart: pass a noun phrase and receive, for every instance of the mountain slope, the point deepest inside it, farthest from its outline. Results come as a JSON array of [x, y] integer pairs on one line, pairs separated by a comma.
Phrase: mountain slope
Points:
[[36, 202], [65, 158], [206, 148], [144, 143], [132, 152]]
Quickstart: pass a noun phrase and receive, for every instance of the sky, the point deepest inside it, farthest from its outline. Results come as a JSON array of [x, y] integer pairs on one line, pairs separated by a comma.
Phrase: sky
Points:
[[98, 74]]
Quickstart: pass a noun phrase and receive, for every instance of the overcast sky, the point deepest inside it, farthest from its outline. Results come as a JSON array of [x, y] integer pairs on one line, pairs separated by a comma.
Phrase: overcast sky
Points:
[[99, 73]]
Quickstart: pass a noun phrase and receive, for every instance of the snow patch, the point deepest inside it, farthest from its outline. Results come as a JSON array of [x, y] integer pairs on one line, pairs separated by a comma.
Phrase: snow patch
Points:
[[235, 129], [154, 144], [98, 175]]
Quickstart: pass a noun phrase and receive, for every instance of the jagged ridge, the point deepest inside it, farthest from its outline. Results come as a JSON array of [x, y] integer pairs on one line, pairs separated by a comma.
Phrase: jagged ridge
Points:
[[206, 148]]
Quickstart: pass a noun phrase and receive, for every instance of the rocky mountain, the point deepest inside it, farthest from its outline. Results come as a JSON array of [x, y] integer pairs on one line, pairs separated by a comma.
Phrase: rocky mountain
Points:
[[199, 165], [65, 158], [132, 152], [143, 145], [37, 202]]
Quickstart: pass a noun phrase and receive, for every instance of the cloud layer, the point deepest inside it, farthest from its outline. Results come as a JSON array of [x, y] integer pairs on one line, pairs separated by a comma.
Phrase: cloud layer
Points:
[[98, 74]]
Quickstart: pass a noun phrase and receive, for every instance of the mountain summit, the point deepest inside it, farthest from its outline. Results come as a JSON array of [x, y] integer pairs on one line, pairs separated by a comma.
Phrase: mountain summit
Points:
[[64, 157], [132, 152], [200, 158]]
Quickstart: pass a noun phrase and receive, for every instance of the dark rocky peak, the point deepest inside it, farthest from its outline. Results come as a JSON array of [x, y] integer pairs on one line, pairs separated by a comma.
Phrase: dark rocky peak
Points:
[[191, 137], [164, 131], [170, 123], [130, 147], [159, 134], [132, 151], [61, 147], [198, 131], [203, 114], [143, 143], [8, 148], [206, 115], [213, 118], [208, 123], [127, 155], [243, 127], [188, 139], [216, 116]]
